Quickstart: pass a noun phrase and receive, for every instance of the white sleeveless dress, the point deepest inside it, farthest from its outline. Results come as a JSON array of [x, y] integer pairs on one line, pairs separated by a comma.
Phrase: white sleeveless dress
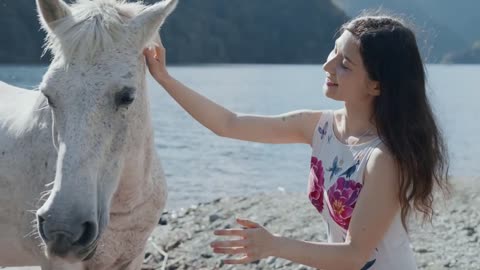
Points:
[[335, 182]]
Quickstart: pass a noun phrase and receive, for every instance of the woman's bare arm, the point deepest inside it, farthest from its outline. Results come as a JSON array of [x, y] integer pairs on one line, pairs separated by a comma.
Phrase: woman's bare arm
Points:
[[292, 127]]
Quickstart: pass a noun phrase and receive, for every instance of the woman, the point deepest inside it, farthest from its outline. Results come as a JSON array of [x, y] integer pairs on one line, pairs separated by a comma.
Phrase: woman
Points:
[[373, 162]]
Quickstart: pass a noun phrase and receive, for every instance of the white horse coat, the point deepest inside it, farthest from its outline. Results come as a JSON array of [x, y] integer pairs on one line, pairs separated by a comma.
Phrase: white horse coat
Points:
[[81, 186]]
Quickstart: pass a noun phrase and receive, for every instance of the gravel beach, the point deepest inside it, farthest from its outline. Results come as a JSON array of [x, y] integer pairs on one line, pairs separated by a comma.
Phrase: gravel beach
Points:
[[451, 241]]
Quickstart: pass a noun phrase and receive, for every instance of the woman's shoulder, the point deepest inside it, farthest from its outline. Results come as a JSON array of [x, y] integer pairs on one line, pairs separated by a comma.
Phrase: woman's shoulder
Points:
[[381, 163], [311, 117], [314, 116], [310, 120], [381, 154]]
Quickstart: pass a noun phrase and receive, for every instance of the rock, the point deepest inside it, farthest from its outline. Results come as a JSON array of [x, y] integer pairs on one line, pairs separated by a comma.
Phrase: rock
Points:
[[470, 230], [422, 250], [271, 260], [451, 263], [214, 217], [163, 221], [206, 255]]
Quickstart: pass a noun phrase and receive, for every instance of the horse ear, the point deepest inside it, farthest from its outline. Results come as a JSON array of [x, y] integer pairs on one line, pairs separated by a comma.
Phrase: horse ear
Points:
[[51, 11], [148, 22]]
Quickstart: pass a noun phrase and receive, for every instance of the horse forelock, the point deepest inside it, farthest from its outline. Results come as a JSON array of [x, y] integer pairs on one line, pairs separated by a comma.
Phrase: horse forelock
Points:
[[93, 27]]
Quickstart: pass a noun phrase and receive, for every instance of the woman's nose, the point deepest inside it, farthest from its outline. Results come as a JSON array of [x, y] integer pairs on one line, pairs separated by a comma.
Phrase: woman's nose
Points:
[[328, 65]]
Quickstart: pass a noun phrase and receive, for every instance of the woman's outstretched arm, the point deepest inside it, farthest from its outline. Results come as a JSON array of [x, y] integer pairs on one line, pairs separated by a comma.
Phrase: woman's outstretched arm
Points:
[[374, 212], [292, 127]]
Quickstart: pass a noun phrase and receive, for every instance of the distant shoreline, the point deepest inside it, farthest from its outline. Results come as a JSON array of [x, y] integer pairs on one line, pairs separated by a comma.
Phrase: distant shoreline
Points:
[[231, 64]]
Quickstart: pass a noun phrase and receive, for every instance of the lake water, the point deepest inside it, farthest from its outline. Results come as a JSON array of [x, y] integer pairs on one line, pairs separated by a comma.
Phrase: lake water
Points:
[[201, 166]]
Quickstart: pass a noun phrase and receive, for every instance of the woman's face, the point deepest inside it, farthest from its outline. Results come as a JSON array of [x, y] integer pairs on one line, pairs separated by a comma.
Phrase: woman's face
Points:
[[346, 77]]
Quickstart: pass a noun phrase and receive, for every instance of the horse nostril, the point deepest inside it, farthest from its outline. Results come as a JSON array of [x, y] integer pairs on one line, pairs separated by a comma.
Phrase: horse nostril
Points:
[[89, 233], [41, 222]]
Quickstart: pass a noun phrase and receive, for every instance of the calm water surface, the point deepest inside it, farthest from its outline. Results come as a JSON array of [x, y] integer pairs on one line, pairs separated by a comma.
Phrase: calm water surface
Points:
[[201, 166]]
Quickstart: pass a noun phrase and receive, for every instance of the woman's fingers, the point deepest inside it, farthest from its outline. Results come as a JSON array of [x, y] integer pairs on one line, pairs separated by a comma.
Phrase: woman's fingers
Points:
[[234, 232], [159, 52], [250, 244], [230, 251], [155, 52], [229, 244], [148, 52], [247, 223]]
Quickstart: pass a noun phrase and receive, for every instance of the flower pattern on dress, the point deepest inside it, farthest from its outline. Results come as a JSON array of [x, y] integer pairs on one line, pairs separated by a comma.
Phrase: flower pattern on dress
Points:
[[316, 183], [342, 197]]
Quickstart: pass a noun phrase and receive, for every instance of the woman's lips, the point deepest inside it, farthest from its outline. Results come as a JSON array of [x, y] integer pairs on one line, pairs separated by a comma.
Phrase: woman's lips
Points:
[[331, 84]]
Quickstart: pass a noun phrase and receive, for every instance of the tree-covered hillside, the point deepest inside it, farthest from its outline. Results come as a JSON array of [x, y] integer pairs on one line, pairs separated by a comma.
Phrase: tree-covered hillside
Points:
[[468, 56], [206, 31], [443, 26]]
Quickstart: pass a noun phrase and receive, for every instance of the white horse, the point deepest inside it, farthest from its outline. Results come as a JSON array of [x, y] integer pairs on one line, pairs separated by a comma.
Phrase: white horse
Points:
[[84, 142]]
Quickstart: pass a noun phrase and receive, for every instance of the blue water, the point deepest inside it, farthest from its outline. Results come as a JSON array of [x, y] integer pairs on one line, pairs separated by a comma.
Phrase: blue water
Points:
[[201, 166]]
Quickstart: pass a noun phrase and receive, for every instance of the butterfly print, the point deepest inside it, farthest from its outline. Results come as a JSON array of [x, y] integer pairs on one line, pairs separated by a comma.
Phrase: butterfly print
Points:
[[335, 168], [348, 173], [323, 131]]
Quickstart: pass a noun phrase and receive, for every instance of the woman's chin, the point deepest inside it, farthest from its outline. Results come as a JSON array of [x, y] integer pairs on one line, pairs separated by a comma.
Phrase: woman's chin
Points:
[[330, 93]]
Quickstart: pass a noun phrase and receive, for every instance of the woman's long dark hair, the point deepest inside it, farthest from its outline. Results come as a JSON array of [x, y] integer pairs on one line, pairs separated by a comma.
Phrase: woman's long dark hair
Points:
[[402, 113]]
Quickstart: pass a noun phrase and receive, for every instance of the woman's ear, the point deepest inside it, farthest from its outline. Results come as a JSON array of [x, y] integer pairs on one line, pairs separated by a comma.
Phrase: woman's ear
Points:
[[374, 88]]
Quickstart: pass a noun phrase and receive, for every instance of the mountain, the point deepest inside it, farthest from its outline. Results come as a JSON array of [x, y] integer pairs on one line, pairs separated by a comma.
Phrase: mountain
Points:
[[206, 31], [443, 26], [468, 56], [20, 36], [461, 16]]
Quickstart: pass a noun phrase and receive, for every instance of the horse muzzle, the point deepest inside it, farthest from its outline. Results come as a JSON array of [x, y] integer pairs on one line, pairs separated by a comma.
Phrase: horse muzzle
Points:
[[72, 242]]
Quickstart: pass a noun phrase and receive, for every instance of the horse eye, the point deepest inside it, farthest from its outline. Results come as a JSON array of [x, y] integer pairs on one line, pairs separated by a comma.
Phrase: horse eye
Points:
[[125, 97], [49, 101]]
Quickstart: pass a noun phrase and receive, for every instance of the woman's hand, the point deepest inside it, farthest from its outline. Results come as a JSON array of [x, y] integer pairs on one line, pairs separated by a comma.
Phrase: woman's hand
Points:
[[156, 62], [255, 242]]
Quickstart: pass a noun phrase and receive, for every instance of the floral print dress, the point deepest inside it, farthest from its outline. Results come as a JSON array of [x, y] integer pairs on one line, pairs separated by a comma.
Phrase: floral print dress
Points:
[[335, 183]]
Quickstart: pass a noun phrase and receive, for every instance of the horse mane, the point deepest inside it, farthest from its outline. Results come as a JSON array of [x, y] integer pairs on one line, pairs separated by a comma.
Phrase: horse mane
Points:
[[19, 120], [92, 27]]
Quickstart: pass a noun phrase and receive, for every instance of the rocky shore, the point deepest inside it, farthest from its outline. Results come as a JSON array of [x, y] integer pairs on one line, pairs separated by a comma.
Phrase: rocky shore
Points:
[[451, 241], [181, 240]]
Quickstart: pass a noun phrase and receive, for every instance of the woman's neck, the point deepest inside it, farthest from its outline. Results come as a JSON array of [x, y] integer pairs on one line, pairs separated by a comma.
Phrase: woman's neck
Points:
[[355, 122]]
